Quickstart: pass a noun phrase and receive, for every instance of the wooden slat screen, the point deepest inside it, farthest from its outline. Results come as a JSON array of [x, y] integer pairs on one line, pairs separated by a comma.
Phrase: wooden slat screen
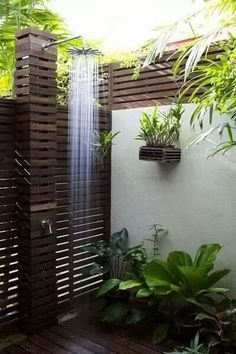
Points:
[[93, 224], [154, 85], [35, 82], [8, 218], [105, 89]]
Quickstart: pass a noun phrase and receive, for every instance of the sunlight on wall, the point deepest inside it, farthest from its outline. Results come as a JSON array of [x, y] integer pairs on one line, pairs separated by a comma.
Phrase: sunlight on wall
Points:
[[194, 199], [123, 24]]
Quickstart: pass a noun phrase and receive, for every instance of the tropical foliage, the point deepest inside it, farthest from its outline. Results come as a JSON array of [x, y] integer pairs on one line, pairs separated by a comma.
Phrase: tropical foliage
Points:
[[191, 278], [159, 128], [110, 255], [102, 143], [171, 296], [135, 258], [18, 14], [212, 82], [195, 347], [178, 292], [218, 325]]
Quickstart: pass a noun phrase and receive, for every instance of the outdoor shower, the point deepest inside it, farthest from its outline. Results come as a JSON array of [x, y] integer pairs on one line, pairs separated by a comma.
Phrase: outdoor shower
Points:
[[82, 125]]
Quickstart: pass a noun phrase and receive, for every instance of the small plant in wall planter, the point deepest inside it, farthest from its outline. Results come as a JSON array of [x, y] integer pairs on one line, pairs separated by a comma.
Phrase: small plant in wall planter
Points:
[[160, 130], [102, 143]]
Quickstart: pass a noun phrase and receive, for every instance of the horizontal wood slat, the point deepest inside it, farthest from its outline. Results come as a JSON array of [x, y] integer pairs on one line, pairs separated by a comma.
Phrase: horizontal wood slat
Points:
[[90, 225], [9, 291], [155, 84], [36, 167]]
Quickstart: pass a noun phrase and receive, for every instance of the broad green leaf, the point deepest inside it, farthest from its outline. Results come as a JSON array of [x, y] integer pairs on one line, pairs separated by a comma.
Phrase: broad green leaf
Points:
[[144, 292], [192, 300], [107, 286], [206, 256], [204, 316], [179, 258], [160, 333], [161, 290], [175, 288], [194, 278], [218, 290], [156, 272], [116, 312], [128, 284], [217, 275]]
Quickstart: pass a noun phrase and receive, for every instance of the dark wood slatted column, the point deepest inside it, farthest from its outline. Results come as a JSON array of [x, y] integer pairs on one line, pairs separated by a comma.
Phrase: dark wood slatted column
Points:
[[9, 305], [36, 163]]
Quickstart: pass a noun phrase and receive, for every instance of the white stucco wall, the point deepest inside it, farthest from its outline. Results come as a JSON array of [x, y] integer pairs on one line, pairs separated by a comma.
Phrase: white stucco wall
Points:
[[194, 199]]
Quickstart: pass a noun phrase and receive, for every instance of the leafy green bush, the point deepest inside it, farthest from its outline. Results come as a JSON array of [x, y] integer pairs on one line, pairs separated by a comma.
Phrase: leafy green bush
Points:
[[218, 326], [179, 288], [136, 258], [190, 278], [180, 274]]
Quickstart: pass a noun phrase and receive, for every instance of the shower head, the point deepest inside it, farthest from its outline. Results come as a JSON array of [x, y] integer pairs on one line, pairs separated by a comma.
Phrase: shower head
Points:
[[83, 51]]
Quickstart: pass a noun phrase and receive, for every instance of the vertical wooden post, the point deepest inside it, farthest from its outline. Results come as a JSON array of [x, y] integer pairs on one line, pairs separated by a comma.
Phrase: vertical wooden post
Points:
[[35, 85]]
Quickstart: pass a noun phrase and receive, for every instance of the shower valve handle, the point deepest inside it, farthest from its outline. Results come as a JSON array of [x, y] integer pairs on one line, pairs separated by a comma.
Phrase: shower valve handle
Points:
[[47, 224]]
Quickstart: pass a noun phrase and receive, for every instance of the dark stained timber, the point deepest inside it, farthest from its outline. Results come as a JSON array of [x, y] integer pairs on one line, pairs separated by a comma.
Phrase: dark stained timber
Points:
[[9, 289], [36, 134], [90, 225], [89, 338], [42, 273], [155, 84], [159, 154]]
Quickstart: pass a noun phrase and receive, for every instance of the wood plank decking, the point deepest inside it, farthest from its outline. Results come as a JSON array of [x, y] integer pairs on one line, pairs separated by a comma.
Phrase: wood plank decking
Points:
[[81, 336]]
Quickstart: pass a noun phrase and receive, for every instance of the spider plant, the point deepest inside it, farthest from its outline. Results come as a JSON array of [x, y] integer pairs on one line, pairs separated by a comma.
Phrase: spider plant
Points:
[[161, 129]]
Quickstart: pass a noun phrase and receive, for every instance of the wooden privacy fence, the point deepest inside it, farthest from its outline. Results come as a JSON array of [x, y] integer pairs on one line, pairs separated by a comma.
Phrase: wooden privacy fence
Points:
[[41, 269], [9, 295], [155, 83], [90, 225]]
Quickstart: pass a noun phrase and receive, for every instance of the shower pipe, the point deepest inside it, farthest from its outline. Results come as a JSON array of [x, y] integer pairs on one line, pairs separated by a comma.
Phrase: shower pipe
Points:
[[45, 46], [73, 50]]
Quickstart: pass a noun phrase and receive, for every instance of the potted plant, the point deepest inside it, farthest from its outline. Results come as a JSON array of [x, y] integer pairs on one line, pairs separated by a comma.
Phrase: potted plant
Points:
[[160, 130]]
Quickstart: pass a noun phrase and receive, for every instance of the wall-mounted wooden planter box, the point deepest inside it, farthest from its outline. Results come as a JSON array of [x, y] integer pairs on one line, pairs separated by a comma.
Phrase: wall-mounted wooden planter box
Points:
[[159, 154]]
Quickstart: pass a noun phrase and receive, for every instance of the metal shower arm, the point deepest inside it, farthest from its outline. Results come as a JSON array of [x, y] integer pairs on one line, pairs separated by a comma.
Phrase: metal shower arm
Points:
[[45, 46]]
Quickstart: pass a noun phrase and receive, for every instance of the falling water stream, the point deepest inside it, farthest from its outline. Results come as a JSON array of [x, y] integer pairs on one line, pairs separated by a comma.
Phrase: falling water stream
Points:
[[83, 121]]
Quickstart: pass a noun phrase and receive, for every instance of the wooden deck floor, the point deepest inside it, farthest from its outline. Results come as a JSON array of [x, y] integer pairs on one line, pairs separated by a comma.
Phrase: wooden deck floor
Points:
[[84, 337]]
